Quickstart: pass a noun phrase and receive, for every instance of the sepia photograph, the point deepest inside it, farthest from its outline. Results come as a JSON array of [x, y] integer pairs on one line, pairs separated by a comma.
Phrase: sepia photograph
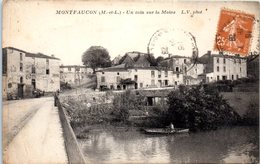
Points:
[[130, 81]]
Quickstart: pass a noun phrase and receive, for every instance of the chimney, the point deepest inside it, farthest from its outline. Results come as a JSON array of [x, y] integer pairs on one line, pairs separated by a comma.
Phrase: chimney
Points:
[[209, 53], [221, 53], [52, 55]]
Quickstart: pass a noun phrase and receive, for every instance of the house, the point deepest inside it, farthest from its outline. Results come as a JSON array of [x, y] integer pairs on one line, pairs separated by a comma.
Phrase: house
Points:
[[223, 67], [24, 72], [135, 74], [190, 68], [74, 74]]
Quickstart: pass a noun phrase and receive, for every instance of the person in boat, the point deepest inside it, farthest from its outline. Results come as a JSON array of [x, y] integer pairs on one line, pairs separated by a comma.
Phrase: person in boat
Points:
[[171, 127]]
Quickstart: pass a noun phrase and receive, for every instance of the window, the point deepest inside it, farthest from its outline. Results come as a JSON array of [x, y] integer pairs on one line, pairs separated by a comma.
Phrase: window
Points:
[[21, 56], [152, 74], [217, 68], [159, 74], [47, 71], [47, 61], [176, 83], [224, 69], [177, 69], [33, 69], [235, 61], [237, 76], [224, 60], [240, 69], [185, 70], [177, 75], [34, 83], [103, 72], [141, 85], [103, 79], [21, 66], [218, 77], [21, 79], [184, 61], [117, 73], [166, 73], [232, 77], [136, 77], [165, 82], [217, 60]]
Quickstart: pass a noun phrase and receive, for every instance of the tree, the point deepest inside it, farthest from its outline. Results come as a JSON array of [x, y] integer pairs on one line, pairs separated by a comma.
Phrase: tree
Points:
[[200, 108], [96, 56], [159, 59], [127, 101]]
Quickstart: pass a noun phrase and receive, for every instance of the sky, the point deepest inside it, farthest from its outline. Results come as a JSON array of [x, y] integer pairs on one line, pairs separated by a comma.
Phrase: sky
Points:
[[36, 26]]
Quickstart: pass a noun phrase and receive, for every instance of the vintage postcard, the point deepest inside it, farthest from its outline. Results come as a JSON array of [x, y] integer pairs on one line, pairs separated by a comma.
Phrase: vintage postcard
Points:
[[130, 81]]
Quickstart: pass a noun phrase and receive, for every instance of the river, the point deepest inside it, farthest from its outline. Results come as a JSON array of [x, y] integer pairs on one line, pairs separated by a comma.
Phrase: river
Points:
[[238, 144]]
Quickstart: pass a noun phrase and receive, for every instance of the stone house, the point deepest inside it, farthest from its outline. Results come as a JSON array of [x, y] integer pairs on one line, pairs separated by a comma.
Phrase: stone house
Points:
[[74, 74], [190, 68], [137, 74], [223, 67], [24, 72]]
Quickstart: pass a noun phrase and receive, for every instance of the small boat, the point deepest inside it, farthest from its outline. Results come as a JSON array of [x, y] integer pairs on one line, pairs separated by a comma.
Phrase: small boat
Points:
[[165, 130]]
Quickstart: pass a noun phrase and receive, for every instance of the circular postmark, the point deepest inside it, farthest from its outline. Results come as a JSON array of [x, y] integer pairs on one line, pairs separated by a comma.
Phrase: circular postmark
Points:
[[178, 43]]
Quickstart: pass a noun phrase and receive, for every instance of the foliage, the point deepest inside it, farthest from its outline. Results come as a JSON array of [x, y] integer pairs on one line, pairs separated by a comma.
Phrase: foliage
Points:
[[96, 56], [126, 101], [159, 59], [251, 117], [154, 61], [199, 108], [65, 86]]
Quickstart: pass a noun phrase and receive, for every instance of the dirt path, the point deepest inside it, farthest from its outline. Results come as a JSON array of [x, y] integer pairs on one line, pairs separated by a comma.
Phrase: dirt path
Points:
[[40, 140]]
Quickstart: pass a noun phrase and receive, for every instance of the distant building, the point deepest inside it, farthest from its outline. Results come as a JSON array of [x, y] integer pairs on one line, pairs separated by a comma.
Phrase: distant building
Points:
[[135, 74], [24, 71], [74, 74], [190, 68], [223, 67]]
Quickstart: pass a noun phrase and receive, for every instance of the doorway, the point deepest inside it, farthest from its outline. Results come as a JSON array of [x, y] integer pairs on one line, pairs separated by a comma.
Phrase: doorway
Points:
[[20, 90]]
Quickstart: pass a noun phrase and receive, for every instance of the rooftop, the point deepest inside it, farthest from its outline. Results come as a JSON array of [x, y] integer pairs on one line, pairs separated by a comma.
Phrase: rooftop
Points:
[[123, 67], [73, 66], [36, 55]]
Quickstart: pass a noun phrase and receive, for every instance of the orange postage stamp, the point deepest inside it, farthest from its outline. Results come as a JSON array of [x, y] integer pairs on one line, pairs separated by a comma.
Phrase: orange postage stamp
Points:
[[234, 32]]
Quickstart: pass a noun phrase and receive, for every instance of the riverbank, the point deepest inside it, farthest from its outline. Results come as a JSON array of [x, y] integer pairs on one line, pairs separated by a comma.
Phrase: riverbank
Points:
[[196, 108]]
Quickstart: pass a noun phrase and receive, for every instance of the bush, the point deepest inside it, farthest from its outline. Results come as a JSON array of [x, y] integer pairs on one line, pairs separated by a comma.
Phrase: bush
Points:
[[251, 117], [199, 108], [126, 101]]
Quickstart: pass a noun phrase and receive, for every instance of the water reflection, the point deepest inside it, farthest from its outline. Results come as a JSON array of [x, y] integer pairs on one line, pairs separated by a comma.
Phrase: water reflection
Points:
[[238, 144]]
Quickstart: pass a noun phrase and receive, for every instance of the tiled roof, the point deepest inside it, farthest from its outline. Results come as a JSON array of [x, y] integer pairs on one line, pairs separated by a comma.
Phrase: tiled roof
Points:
[[73, 66], [40, 55], [28, 54], [15, 49], [123, 67]]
